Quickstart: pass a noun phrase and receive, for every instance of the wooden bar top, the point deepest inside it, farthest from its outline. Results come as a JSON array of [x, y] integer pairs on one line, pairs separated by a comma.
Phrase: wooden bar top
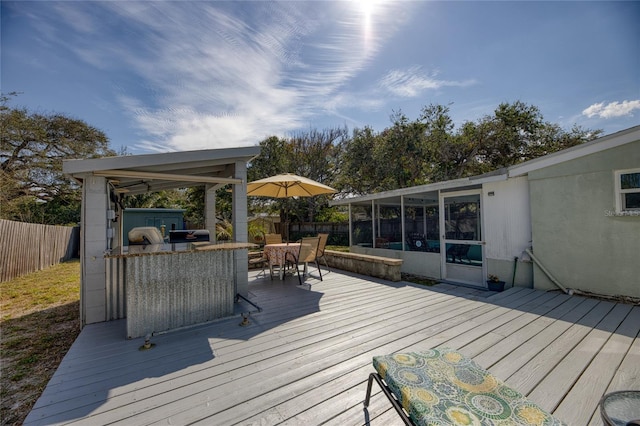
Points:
[[173, 248]]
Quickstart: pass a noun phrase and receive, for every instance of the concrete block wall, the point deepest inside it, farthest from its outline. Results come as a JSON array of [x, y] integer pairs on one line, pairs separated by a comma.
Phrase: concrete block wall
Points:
[[374, 266]]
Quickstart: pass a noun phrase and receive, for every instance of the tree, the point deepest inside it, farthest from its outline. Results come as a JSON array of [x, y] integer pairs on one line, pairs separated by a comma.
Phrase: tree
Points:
[[313, 154], [445, 153], [515, 133], [32, 148], [357, 167], [430, 149], [402, 152], [406, 154], [275, 158]]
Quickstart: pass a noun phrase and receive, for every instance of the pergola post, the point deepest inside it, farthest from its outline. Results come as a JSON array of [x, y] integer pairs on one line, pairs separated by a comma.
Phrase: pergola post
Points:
[[93, 243], [210, 210], [240, 230]]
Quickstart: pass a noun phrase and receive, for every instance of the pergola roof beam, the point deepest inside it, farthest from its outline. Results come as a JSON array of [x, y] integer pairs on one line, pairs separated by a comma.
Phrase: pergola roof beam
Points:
[[166, 176]]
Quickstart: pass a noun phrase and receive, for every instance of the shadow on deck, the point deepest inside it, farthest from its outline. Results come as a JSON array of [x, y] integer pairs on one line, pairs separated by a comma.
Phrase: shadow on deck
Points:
[[305, 357]]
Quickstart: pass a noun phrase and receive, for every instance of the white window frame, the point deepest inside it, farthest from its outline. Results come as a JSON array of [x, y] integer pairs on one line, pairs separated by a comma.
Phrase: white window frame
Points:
[[620, 208]]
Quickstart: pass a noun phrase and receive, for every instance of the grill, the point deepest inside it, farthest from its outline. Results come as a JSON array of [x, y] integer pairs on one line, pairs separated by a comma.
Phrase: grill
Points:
[[188, 235], [144, 235]]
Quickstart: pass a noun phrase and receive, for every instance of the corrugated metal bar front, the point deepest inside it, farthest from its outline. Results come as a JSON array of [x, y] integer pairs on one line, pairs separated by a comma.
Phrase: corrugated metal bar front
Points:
[[166, 292], [116, 302]]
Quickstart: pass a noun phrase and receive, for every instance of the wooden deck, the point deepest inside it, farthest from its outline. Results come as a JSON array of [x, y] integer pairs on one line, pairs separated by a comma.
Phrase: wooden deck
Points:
[[305, 359]]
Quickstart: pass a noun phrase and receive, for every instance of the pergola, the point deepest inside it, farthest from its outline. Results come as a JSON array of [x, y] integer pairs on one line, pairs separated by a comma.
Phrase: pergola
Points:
[[105, 180]]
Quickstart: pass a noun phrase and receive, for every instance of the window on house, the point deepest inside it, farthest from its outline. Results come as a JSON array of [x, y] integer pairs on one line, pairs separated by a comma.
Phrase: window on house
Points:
[[627, 190]]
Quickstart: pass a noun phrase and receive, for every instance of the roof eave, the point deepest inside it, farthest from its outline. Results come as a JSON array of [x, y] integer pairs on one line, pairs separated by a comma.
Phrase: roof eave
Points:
[[211, 156], [597, 145]]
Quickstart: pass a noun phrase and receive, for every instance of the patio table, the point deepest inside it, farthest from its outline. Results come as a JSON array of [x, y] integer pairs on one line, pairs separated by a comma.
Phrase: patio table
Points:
[[277, 254]]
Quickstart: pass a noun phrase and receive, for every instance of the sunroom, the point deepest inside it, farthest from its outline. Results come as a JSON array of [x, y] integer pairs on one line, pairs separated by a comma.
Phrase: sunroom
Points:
[[458, 231]]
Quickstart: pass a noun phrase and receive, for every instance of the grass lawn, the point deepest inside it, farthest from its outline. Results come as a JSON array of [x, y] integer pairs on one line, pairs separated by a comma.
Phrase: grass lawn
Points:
[[39, 320]]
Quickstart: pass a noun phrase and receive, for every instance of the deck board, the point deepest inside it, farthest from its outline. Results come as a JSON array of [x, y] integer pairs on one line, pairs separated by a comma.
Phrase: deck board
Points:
[[529, 374], [306, 357], [553, 388], [597, 376], [529, 349]]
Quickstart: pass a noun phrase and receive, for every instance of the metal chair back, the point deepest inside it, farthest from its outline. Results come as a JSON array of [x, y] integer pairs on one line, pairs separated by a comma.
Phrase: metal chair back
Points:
[[308, 253], [308, 249], [322, 244], [321, 247]]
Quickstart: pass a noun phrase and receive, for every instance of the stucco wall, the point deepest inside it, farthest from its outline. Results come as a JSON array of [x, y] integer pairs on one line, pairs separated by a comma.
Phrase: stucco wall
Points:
[[507, 223], [421, 263], [507, 229], [574, 234]]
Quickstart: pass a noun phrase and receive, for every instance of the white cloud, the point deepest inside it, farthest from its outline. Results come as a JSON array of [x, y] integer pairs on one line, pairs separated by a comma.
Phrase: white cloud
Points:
[[219, 74], [412, 82], [612, 109]]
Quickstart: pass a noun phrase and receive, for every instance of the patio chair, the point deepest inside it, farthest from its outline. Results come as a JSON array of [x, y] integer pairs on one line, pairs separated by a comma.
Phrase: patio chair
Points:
[[459, 251], [259, 262], [308, 253], [382, 242], [321, 247], [272, 239], [417, 241]]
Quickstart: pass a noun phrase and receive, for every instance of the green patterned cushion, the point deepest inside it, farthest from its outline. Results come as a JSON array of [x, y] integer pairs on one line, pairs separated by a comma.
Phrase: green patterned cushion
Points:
[[442, 387]]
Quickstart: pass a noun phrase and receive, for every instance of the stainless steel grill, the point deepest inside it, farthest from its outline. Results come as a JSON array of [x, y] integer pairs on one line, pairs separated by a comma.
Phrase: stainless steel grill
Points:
[[188, 235]]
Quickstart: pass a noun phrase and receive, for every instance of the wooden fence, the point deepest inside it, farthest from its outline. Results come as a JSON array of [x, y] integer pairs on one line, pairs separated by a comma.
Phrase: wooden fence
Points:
[[338, 232], [29, 247]]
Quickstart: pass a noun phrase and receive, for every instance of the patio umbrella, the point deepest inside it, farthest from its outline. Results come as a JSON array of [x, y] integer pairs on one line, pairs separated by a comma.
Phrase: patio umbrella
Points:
[[286, 186]]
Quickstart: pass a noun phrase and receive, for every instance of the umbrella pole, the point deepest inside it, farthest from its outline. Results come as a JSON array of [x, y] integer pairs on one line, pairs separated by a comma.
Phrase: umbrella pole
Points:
[[286, 220], [284, 228]]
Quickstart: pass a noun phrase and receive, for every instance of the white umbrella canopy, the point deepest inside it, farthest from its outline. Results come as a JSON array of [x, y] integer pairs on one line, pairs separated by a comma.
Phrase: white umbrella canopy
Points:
[[287, 185]]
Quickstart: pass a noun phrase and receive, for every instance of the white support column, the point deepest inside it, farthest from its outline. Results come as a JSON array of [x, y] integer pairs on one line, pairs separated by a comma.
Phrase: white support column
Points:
[[93, 240], [210, 210], [373, 223], [378, 223], [443, 236], [402, 225], [240, 229], [350, 227], [424, 222]]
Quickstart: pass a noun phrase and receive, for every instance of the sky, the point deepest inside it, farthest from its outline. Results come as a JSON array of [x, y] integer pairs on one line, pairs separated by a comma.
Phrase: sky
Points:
[[162, 76]]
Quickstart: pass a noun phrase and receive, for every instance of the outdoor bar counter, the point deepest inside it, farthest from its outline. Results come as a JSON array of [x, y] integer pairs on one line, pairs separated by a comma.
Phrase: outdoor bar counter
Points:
[[160, 287]]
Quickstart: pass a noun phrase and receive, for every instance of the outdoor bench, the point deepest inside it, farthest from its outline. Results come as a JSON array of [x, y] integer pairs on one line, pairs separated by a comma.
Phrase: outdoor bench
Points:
[[375, 266], [442, 386]]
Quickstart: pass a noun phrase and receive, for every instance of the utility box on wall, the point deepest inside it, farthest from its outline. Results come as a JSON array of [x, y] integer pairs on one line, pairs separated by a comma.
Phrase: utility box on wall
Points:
[[164, 219]]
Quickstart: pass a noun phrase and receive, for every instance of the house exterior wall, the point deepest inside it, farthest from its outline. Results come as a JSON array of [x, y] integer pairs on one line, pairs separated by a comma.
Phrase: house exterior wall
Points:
[[414, 262], [575, 236], [422, 264], [507, 229], [506, 233]]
